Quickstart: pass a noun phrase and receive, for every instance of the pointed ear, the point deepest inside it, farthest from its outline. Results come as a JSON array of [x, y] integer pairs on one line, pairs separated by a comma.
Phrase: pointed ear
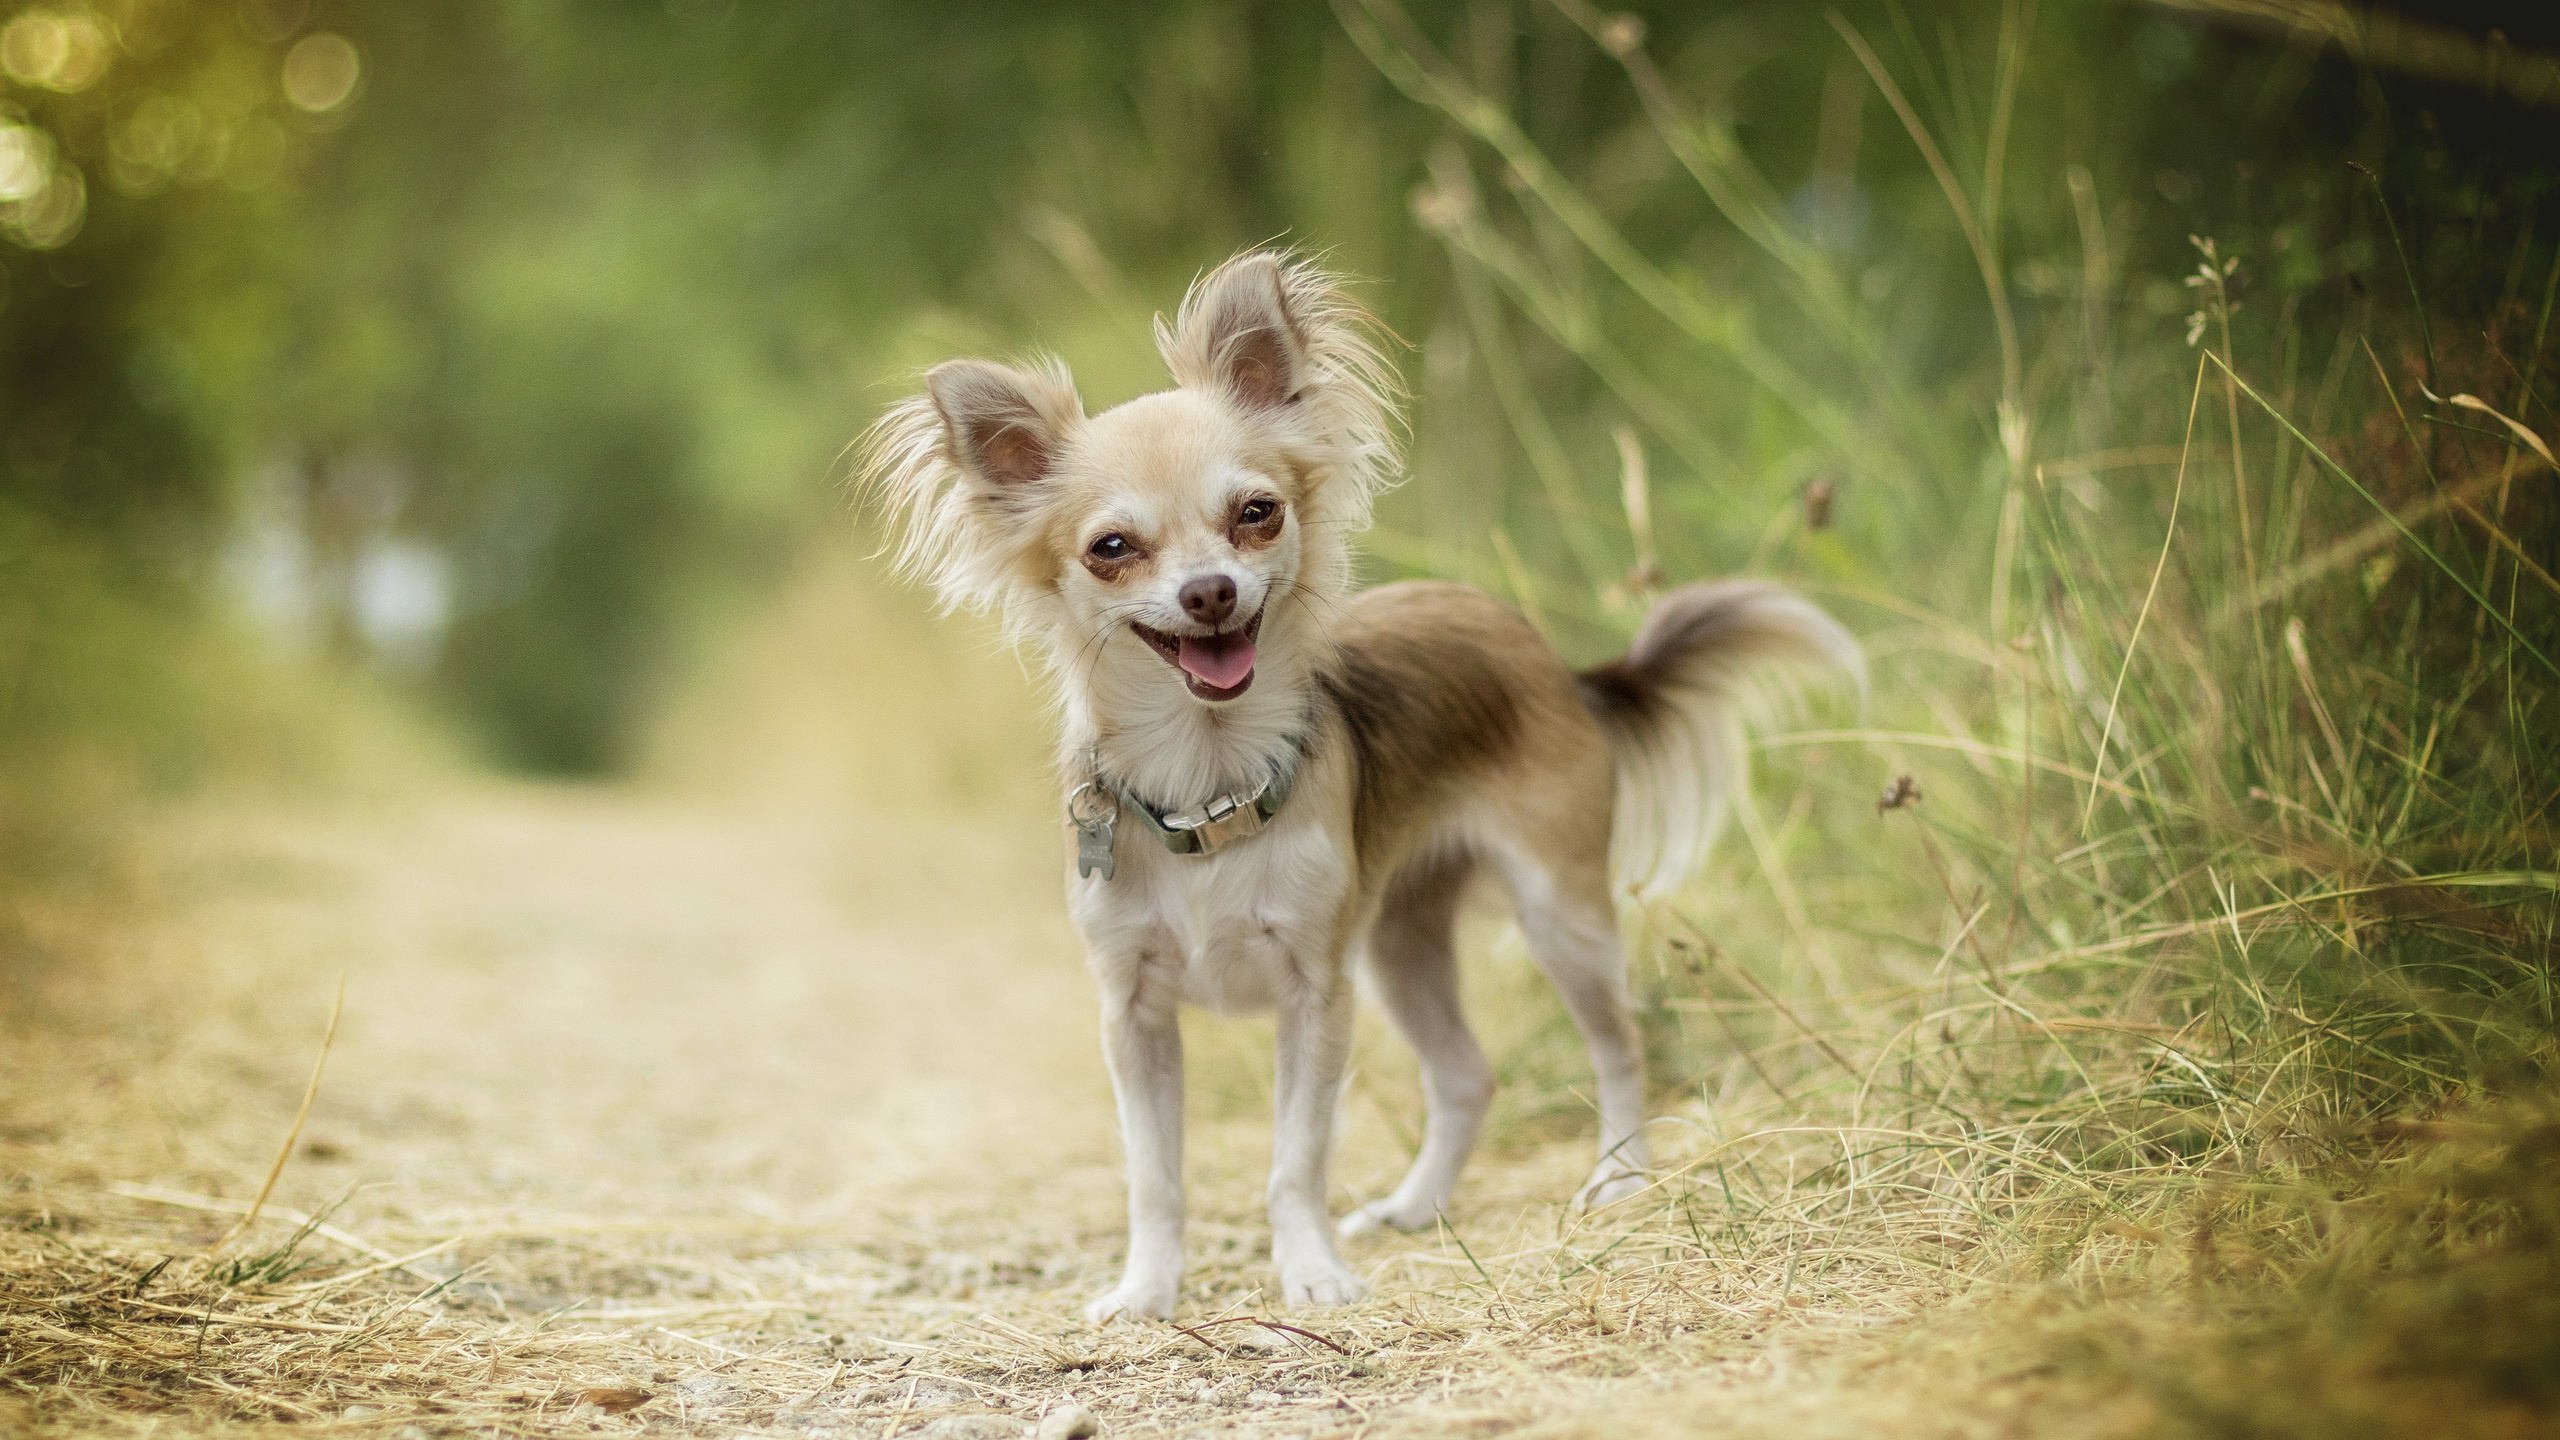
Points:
[[957, 471], [1235, 333], [1004, 426]]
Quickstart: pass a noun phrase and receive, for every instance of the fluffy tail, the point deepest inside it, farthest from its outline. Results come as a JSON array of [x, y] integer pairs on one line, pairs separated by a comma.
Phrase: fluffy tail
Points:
[[1709, 659]]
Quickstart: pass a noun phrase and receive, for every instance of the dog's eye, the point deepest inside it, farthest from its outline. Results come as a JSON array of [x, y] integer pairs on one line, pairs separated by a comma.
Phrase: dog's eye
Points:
[[1255, 512], [1114, 546]]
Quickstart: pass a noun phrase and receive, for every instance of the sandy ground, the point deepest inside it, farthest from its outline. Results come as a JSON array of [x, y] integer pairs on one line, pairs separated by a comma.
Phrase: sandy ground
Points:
[[767, 1090]]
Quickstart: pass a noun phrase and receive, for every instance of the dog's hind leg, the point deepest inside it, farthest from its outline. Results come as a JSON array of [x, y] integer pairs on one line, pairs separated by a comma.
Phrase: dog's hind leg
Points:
[[1572, 930], [1415, 970]]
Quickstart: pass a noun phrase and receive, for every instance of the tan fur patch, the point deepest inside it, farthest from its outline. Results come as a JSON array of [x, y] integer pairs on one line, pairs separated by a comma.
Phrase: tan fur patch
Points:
[[1439, 684]]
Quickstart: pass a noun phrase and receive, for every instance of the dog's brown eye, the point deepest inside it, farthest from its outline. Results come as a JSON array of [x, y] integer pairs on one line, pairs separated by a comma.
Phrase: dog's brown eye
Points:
[[1255, 512], [1114, 546]]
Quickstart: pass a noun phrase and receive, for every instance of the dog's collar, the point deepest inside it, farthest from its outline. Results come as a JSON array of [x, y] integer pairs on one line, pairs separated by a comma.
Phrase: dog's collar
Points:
[[1204, 829], [1220, 821]]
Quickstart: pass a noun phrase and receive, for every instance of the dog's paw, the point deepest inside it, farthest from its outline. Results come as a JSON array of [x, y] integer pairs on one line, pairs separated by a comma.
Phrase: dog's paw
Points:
[[1126, 1301], [1387, 1214], [1316, 1283], [1607, 1186]]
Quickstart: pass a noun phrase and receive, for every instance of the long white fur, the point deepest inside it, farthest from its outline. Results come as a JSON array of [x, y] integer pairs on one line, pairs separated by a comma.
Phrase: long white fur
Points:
[[940, 511], [1678, 773]]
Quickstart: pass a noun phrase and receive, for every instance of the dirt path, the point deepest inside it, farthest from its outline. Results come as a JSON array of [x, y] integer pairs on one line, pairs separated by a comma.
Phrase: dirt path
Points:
[[771, 1096]]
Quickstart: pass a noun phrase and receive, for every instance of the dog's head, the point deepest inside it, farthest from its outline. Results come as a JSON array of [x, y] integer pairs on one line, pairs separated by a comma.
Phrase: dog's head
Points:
[[1190, 526]]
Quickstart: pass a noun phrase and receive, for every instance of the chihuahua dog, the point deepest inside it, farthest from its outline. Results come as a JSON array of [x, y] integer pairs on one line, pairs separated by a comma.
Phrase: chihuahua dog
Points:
[[1273, 779]]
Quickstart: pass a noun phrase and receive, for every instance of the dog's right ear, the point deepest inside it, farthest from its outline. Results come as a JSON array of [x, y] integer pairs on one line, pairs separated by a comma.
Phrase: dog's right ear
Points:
[[958, 470], [1003, 425]]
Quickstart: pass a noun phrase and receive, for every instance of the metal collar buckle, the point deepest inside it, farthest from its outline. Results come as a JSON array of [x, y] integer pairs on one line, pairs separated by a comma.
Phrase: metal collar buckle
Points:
[[1203, 829]]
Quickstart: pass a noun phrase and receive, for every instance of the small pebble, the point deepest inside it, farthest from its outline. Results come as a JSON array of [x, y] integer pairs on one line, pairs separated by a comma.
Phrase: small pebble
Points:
[[1068, 1421], [705, 1389]]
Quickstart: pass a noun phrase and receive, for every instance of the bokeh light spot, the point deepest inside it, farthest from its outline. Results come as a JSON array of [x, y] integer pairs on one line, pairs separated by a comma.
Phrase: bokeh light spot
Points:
[[162, 134], [48, 219], [55, 50], [26, 158], [320, 72]]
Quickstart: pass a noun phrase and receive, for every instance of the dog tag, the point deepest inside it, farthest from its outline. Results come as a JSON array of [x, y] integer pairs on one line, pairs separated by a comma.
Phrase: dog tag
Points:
[[1093, 846], [1093, 830]]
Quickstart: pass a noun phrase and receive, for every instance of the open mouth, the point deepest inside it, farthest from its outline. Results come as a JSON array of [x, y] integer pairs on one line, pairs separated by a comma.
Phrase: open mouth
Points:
[[1215, 667]]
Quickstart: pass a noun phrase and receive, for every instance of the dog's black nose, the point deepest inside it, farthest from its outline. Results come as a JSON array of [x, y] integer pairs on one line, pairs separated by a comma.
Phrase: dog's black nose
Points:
[[1209, 599]]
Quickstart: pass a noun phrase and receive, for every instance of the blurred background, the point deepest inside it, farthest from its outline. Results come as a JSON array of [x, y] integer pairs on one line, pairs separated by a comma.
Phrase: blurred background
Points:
[[501, 356]]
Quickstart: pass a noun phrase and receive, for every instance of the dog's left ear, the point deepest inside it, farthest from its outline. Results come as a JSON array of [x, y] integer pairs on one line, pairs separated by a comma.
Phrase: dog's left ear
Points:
[[1235, 333], [1280, 337]]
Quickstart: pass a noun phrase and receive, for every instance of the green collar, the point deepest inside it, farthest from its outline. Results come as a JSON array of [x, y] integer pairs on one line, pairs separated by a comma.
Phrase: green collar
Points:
[[1204, 829], [1207, 828]]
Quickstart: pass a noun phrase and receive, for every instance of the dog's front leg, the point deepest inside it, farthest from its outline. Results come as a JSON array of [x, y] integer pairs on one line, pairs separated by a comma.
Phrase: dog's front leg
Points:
[[1315, 1042], [1142, 1042]]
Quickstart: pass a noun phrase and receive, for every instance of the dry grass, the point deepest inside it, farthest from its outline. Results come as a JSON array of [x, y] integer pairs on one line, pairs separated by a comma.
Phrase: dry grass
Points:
[[744, 1098], [763, 1099]]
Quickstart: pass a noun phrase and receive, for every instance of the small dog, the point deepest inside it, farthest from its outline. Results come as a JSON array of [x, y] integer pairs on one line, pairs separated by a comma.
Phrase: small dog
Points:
[[1269, 772]]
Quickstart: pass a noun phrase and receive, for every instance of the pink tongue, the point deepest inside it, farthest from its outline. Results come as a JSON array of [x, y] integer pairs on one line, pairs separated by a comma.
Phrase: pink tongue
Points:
[[1221, 662]]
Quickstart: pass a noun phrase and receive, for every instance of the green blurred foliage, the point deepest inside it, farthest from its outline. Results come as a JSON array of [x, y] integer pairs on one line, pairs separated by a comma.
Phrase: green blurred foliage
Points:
[[135, 138], [578, 302], [586, 299]]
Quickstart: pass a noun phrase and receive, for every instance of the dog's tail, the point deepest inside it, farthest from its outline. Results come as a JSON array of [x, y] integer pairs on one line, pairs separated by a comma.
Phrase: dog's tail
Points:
[[1709, 659]]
